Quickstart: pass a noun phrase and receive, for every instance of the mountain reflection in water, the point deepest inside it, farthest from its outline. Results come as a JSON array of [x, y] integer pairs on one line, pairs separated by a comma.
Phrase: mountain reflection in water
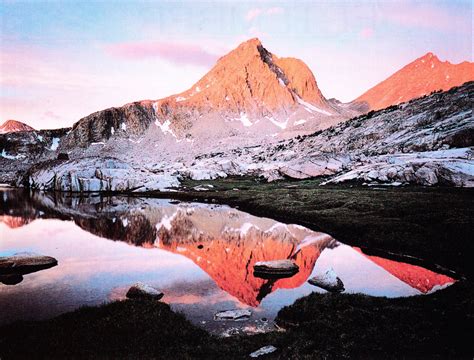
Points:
[[200, 255]]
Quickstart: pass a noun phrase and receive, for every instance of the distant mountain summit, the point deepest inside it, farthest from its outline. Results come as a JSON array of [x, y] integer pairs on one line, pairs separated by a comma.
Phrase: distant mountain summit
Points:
[[14, 126], [250, 79], [420, 77]]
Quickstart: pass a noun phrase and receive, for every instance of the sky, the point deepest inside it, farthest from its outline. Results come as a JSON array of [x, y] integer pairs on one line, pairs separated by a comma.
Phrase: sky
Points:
[[62, 60]]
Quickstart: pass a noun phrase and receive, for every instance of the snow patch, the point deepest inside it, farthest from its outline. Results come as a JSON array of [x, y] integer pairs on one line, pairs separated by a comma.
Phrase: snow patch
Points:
[[123, 126], [299, 122], [244, 119], [310, 108], [55, 144], [282, 125], [180, 98], [12, 157]]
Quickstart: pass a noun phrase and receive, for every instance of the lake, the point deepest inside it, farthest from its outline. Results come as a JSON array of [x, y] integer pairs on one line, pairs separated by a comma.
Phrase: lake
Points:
[[200, 255]]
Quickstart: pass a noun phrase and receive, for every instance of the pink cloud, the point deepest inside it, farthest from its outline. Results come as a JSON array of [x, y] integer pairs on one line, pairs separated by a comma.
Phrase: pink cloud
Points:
[[256, 12], [366, 33], [179, 53]]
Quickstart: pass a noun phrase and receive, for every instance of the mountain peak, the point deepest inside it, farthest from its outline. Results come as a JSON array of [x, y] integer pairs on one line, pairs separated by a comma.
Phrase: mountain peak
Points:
[[429, 57], [251, 79], [420, 77], [14, 126]]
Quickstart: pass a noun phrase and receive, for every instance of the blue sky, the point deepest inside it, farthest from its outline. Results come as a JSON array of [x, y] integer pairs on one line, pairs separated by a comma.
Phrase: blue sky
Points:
[[61, 60]]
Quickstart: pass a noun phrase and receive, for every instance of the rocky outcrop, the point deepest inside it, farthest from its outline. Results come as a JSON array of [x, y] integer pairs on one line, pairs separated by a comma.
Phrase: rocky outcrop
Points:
[[420, 77], [95, 174], [20, 150], [129, 120], [445, 167]]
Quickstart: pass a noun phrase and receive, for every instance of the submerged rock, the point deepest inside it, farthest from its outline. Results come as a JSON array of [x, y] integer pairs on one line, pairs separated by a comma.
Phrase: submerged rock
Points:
[[275, 268], [328, 281], [263, 351], [143, 291], [236, 314], [24, 263]]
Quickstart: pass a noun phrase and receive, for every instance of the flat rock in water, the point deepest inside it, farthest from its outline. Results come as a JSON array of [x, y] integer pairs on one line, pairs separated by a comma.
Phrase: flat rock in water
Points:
[[143, 291], [263, 351], [275, 268], [237, 314], [328, 281], [24, 263]]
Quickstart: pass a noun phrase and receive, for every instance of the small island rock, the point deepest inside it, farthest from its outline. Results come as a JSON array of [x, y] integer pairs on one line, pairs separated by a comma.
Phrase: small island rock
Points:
[[143, 291], [275, 268]]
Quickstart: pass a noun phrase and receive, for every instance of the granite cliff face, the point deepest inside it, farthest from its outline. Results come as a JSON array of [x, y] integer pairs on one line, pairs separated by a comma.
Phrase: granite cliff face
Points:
[[420, 77]]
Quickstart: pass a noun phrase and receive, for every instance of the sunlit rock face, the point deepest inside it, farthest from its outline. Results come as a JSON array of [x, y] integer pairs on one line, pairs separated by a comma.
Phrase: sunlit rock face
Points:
[[14, 126], [228, 251], [417, 277], [14, 222], [420, 77], [249, 92]]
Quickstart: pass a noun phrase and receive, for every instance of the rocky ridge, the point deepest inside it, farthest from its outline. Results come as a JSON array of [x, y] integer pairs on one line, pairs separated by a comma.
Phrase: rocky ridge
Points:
[[426, 141]]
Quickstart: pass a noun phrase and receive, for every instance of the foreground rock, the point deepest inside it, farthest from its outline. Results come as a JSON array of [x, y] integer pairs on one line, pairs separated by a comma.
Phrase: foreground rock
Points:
[[96, 174], [24, 263], [237, 314], [263, 351], [143, 291], [275, 269], [328, 281]]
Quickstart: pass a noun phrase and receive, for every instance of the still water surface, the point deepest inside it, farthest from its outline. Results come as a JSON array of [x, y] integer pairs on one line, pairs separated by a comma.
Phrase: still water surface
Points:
[[201, 256]]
